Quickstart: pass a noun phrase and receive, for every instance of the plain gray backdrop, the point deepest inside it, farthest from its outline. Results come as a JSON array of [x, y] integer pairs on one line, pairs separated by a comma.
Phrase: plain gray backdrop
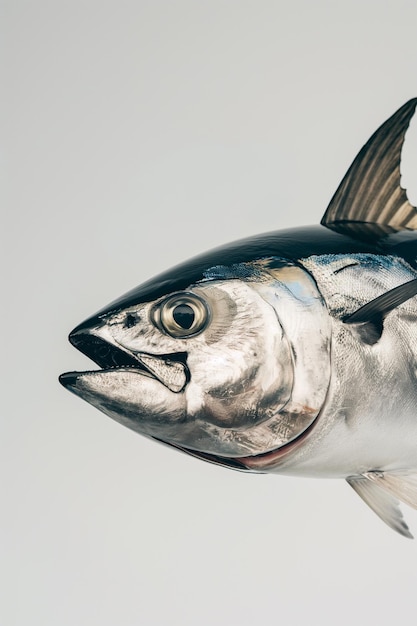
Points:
[[135, 135]]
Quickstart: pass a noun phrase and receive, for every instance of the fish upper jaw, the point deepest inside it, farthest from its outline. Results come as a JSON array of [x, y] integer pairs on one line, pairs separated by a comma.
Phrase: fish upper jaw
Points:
[[96, 342]]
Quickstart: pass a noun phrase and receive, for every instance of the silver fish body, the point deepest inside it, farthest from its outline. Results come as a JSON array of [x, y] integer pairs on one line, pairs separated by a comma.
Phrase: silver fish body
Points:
[[370, 383], [292, 352]]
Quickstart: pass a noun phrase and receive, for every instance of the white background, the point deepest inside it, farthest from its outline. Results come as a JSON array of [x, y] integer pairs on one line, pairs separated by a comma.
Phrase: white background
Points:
[[136, 135]]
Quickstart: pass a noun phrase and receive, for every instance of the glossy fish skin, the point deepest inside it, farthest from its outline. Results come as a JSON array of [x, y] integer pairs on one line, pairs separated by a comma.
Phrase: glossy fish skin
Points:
[[291, 352]]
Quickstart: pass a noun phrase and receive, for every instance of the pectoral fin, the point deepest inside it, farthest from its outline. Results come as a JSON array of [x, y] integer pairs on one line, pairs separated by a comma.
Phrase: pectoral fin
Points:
[[382, 492], [370, 202], [372, 314]]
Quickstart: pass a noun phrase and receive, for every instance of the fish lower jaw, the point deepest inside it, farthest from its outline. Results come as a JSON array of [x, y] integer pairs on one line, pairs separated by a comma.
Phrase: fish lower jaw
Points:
[[69, 379], [174, 375]]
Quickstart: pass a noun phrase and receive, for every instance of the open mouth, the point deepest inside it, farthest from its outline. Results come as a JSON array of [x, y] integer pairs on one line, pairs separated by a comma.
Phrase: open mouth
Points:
[[169, 369]]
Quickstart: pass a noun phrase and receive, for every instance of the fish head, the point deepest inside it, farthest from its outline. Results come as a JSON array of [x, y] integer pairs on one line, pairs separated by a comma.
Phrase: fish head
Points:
[[235, 363]]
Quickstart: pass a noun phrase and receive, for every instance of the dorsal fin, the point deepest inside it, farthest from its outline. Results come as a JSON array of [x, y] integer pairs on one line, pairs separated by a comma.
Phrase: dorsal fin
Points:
[[370, 202]]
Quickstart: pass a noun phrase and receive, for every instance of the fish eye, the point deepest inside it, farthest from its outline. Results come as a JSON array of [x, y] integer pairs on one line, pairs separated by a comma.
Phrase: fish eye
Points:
[[182, 315]]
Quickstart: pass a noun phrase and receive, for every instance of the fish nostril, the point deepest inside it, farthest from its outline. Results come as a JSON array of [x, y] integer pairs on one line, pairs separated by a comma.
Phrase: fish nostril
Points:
[[131, 320]]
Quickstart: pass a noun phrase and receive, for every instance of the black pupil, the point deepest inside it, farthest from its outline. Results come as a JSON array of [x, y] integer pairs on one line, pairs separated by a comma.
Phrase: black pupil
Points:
[[184, 316]]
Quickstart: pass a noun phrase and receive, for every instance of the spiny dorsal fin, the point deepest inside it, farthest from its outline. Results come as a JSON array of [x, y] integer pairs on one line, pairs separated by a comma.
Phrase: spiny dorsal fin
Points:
[[384, 504], [370, 202]]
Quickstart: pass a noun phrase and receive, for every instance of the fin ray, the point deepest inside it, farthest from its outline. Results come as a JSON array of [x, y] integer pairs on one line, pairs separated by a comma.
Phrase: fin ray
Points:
[[383, 503], [401, 486], [371, 192]]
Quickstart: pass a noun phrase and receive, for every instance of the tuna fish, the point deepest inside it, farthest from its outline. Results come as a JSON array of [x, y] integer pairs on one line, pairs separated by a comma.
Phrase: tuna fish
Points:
[[292, 352]]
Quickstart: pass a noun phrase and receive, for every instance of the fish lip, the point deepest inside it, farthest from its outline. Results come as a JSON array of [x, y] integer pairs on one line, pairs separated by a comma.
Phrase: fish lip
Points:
[[109, 357]]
